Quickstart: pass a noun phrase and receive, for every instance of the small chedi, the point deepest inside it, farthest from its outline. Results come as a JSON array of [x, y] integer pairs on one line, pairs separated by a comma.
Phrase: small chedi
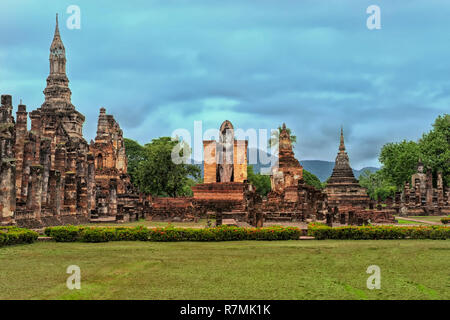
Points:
[[349, 202], [343, 190], [420, 197], [50, 175]]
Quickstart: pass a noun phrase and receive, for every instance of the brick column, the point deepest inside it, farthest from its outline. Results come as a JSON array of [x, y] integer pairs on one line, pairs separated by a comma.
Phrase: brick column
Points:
[[8, 191], [55, 192], [70, 193], [35, 197], [21, 134]]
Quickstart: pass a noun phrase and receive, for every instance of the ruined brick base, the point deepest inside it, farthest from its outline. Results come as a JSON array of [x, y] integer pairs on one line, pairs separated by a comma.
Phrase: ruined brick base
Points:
[[32, 223], [172, 209]]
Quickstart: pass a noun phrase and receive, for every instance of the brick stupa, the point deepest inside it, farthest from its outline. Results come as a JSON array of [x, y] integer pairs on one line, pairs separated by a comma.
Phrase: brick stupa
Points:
[[343, 190]]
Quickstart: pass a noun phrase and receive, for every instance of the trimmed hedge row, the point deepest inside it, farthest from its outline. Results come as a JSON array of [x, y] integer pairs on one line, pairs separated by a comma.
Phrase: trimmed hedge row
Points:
[[15, 235], [321, 232], [222, 233]]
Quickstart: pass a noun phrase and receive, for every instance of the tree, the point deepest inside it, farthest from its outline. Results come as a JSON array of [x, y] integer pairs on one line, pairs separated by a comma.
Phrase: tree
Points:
[[158, 175], [378, 187], [435, 147], [135, 154], [399, 161], [275, 137], [261, 182], [312, 180]]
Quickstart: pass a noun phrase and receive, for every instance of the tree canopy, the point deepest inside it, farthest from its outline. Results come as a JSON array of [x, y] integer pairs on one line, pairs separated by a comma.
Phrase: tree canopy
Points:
[[155, 173], [378, 187], [261, 182], [135, 154], [399, 160], [312, 180]]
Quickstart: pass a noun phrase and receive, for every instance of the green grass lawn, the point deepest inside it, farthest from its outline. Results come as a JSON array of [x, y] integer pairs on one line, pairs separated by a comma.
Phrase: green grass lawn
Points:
[[401, 221], [428, 218], [410, 269], [422, 218]]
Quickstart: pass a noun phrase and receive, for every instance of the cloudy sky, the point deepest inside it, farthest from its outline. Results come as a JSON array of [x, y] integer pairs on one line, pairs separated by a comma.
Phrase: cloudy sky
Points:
[[160, 65]]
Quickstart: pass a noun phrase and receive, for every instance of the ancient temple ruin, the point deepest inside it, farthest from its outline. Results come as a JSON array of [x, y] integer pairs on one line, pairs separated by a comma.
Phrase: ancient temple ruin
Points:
[[49, 174], [348, 201], [225, 190], [420, 197], [290, 198], [225, 193], [343, 190]]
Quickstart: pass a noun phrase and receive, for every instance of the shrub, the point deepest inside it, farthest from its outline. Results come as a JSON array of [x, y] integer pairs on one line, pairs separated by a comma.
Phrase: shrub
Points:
[[93, 235], [445, 220], [15, 235], [222, 233], [64, 233], [321, 232]]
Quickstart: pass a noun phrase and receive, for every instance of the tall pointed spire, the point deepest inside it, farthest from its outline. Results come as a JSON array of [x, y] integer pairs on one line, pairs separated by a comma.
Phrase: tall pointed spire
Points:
[[342, 145], [57, 109], [342, 172], [57, 27], [57, 44], [343, 189], [57, 92]]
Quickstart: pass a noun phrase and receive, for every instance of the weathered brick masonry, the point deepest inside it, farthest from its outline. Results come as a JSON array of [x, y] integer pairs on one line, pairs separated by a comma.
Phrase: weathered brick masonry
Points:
[[50, 175]]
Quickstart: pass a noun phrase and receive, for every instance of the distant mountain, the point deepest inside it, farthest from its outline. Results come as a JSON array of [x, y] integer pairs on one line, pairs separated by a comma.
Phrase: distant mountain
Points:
[[322, 169], [358, 172]]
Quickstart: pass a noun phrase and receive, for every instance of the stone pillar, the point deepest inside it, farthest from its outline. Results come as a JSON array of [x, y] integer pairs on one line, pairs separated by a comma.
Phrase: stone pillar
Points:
[[8, 191], [112, 205], [35, 196], [60, 166], [406, 193], [54, 200], [70, 193], [259, 219], [82, 199], [418, 193], [7, 162], [36, 132], [27, 162], [429, 188], [82, 193], [72, 161], [21, 135], [45, 162], [440, 190], [90, 181], [60, 159]]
